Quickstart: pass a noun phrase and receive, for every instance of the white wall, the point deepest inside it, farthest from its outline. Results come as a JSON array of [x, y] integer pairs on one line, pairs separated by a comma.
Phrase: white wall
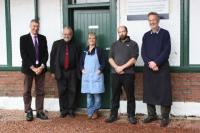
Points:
[[22, 11], [52, 104], [137, 28], [50, 20], [194, 45], [3, 53]]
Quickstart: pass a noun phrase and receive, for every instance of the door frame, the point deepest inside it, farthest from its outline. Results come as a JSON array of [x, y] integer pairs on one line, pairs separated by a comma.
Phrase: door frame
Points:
[[111, 6]]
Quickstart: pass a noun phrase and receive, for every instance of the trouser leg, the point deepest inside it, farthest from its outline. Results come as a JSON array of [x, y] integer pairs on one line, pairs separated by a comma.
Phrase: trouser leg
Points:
[[116, 90], [62, 93], [39, 89], [165, 111], [28, 80], [151, 109], [71, 90], [128, 83], [90, 104]]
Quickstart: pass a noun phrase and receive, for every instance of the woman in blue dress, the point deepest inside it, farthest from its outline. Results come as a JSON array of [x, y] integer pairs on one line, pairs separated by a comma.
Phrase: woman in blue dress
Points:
[[92, 63]]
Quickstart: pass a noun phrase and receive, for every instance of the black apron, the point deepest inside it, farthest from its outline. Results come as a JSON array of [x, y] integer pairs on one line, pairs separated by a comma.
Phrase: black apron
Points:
[[157, 86]]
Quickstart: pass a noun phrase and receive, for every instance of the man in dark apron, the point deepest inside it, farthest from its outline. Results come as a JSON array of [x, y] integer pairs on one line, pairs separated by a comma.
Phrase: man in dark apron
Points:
[[156, 48]]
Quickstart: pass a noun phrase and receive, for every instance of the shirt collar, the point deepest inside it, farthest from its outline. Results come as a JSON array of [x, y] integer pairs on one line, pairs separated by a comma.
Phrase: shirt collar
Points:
[[158, 30], [126, 40], [33, 35]]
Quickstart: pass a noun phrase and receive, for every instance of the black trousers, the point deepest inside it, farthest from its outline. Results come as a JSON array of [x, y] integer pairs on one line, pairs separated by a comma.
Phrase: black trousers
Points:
[[127, 81], [165, 110], [67, 87]]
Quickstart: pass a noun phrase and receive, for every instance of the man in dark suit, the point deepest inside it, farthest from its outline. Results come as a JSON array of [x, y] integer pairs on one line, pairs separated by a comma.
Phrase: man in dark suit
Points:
[[34, 54], [64, 67]]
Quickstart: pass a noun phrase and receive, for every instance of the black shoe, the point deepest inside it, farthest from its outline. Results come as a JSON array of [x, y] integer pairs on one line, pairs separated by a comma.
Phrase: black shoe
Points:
[[164, 122], [111, 119], [71, 114], [132, 120], [29, 115], [63, 115], [150, 119], [41, 115]]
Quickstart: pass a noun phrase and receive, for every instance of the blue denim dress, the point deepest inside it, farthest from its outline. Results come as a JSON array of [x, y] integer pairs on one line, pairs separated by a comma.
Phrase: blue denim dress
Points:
[[92, 81]]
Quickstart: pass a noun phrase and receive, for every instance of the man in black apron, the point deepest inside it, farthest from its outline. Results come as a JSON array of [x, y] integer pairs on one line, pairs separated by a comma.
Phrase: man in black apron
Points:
[[156, 48]]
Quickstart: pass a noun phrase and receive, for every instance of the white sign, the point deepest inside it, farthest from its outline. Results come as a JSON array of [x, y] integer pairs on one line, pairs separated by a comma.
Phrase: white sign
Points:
[[138, 9], [93, 27]]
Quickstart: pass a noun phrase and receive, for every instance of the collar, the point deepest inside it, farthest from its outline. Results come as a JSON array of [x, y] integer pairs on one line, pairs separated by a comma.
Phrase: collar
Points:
[[33, 35], [92, 52], [126, 40], [158, 30]]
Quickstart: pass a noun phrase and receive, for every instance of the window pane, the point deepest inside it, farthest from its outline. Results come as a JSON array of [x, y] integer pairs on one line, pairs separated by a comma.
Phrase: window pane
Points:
[[194, 46], [50, 21], [3, 53], [22, 11]]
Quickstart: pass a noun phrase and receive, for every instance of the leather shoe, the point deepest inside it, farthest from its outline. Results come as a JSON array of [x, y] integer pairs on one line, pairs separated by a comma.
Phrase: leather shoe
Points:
[[111, 119], [63, 115], [41, 115], [132, 120], [150, 119], [95, 115], [29, 115], [164, 122], [71, 114]]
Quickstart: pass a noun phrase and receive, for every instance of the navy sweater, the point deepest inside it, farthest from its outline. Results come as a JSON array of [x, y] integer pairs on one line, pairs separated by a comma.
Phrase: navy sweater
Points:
[[156, 47]]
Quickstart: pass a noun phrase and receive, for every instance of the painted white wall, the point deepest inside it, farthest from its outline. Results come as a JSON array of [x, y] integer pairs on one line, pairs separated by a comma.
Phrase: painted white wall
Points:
[[194, 45], [50, 20], [177, 108], [22, 11], [52, 104], [136, 29], [3, 53]]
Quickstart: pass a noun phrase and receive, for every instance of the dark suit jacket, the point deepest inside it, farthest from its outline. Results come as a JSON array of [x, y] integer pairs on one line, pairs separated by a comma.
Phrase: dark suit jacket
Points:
[[58, 57], [27, 51]]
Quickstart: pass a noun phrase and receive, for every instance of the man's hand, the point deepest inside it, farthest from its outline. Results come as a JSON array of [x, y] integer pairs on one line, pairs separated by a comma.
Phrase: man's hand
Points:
[[155, 69], [152, 64], [39, 70], [53, 75], [119, 69], [33, 69], [83, 71]]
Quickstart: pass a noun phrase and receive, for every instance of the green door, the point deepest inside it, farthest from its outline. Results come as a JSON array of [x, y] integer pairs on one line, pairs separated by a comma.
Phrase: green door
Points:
[[97, 21]]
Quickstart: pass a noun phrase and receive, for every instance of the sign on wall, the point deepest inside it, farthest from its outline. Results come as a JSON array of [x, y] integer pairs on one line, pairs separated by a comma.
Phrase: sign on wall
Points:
[[138, 9]]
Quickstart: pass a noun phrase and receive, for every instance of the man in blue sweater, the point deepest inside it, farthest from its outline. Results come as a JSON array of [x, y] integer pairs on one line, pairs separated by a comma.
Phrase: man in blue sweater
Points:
[[156, 48]]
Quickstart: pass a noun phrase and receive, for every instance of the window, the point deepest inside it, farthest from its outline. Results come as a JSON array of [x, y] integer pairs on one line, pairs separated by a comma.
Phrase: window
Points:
[[3, 53], [194, 28], [22, 11]]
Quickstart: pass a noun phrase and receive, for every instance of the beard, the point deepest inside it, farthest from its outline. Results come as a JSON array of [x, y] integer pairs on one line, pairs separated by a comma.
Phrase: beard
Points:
[[122, 37], [67, 39]]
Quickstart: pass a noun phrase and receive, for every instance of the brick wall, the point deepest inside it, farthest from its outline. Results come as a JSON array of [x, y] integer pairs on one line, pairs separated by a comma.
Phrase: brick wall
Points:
[[185, 86]]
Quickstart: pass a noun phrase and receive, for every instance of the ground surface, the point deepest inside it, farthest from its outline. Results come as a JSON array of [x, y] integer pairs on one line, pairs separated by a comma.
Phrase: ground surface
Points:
[[14, 122]]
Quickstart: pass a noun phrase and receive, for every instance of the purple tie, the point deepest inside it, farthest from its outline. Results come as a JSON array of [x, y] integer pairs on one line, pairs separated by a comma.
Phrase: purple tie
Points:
[[36, 49]]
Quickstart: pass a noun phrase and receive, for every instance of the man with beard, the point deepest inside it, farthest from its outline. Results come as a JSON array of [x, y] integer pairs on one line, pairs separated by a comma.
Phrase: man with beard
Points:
[[156, 47], [63, 66], [122, 58]]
